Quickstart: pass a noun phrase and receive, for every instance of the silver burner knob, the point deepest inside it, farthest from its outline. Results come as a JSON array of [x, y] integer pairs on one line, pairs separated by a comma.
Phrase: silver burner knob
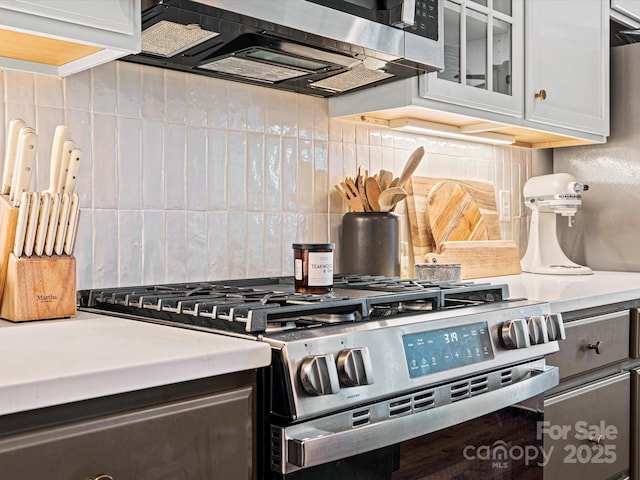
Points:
[[515, 334], [354, 367], [555, 326], [538, 330], [318, 375]]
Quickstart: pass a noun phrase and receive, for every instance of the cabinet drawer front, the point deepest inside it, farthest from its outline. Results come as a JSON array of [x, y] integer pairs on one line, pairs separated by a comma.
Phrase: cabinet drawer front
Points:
[[575, 356], [199, 439], [601, 408]]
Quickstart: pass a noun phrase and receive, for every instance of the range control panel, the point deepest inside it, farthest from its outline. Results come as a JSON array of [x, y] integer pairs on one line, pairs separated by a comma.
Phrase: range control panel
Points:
[[438, 350]]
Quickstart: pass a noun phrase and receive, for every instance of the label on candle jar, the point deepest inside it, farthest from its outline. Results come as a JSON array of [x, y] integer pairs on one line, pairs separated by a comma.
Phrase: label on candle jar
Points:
[[320, 269]]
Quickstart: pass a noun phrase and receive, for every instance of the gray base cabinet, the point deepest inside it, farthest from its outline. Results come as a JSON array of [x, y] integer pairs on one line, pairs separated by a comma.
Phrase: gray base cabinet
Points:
[[591, 418], [203, 438], [588, 431]]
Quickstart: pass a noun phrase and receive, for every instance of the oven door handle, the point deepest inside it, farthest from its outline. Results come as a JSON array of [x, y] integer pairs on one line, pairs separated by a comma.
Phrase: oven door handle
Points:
[[307, 446]]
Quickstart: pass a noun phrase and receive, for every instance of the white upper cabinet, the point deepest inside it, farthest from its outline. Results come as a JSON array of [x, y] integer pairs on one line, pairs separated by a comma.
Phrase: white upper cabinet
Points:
[[484, 39], [567, 64], [626, 12], [61, 37], [537, 70]]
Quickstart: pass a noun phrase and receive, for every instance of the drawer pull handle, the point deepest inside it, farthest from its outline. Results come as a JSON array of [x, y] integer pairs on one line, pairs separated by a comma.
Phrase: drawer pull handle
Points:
[[597, 439], [598, 347], [102, 476]]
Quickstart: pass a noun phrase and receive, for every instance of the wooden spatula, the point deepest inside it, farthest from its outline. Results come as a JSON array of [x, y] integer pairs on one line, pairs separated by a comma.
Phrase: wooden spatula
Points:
[[454, 215]]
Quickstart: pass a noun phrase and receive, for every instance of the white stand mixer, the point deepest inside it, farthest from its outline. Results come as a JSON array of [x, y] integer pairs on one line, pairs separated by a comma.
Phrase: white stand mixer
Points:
[[547, 196]]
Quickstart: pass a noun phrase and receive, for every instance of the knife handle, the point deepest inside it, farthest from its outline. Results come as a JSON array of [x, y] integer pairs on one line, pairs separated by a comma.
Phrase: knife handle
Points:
[[67, 149], [63, 220], [43, 223], [32, 223], [10, 153], [25, 161], [72, 171], [72, 227], [21, 225], [62, 134], [52, 226]]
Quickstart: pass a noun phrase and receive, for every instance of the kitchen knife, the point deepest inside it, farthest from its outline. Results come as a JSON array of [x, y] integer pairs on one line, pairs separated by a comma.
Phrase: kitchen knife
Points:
[[72, 226], [72, 171], [67, 148], [52, 225], [63, 220], [43, 223], [61, 135], [21, 225], [10, 153], [32, 223], [25, 161]]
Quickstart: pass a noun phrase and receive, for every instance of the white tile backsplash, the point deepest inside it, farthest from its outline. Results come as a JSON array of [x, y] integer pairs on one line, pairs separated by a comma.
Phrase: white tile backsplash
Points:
[[188, 178]]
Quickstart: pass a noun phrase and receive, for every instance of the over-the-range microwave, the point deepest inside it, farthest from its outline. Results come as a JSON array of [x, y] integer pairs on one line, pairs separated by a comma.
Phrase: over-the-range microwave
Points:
[[316, 47]]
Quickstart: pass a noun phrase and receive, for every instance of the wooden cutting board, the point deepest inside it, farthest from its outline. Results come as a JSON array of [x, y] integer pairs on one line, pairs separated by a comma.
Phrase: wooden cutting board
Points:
[[488, 258], [418, 188], [454, 215]]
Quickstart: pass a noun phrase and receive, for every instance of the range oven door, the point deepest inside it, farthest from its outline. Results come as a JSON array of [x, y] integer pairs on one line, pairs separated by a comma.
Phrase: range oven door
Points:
[[494, 433]]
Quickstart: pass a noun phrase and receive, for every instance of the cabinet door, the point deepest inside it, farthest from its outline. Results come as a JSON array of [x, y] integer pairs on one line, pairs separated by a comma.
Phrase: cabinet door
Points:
[[206, 438], [484, 40], [567, 64], [62, 37], [635, 423], [626, 12], [112, 15], [587, 431]]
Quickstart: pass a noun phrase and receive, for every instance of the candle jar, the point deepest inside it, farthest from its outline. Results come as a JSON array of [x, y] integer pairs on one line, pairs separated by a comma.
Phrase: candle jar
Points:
[[313, 267]]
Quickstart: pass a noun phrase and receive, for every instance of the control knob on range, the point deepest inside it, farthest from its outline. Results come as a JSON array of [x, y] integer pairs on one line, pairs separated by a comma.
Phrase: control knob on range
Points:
[[354, 367], [538, 330], [555, 326], [515, 333], [318, 375]]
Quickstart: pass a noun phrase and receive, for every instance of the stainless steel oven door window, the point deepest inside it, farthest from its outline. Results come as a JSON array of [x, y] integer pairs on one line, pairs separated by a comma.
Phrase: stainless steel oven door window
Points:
[[506, 444]]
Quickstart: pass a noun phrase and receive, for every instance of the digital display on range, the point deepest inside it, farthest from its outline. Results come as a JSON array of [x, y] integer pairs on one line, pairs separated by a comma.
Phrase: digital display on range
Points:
[[438, 350]]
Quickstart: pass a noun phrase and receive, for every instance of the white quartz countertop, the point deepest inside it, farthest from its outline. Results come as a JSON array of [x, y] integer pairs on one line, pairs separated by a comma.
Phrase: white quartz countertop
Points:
[[572, 292], [52, 362]]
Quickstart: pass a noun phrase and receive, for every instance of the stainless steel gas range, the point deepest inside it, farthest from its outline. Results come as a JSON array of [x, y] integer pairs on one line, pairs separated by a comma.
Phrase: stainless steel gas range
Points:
[[360, 374]]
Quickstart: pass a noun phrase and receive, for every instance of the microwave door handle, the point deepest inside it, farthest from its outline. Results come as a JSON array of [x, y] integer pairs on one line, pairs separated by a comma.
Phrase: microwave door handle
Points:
[[408, 12]]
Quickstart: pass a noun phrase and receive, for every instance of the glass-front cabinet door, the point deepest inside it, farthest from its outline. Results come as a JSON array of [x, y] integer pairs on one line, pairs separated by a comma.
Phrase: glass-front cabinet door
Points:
[[483, 56]]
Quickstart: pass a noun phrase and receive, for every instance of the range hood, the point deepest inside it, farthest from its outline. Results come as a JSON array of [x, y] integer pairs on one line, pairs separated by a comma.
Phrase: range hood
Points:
[[295, 45]]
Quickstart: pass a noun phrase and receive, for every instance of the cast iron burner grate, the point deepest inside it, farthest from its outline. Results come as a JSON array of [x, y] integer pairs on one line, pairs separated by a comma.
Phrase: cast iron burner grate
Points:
[[270, 304]]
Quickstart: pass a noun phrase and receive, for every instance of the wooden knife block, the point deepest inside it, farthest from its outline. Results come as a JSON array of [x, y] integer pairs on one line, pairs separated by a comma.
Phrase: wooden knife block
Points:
[[33, 288]]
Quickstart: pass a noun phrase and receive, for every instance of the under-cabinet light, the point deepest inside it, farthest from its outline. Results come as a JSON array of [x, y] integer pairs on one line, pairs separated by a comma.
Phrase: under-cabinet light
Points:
[[449, 131]]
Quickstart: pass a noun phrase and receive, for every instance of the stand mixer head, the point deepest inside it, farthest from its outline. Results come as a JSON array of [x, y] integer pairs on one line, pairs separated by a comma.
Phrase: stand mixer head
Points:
[[548, 196]]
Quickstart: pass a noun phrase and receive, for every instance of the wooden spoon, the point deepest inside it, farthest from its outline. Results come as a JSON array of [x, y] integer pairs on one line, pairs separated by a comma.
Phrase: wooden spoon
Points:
[[386, 177], [410, 166], [390, 197], [373, 191]]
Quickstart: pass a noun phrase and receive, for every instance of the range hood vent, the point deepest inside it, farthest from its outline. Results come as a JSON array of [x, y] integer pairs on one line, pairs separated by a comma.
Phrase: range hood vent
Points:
[[242, 41]]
